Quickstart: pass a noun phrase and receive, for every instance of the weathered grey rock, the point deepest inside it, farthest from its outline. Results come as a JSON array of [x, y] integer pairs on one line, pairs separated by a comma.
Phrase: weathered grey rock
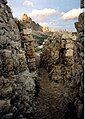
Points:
[[62, 57], [7, 63], [17, 87], [24, 91], [57, 47], [28, 46], [79, 62]]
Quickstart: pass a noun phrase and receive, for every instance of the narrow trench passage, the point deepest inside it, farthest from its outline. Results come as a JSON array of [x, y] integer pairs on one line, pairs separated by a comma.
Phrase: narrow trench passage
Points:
[[44, 99], [47, 99]]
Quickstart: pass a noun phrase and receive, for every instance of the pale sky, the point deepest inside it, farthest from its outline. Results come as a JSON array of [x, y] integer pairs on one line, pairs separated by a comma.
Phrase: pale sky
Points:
[[57, 14]]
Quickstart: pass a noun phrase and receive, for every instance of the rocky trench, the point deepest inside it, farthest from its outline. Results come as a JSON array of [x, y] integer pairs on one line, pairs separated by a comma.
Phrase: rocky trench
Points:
[[56, 90]]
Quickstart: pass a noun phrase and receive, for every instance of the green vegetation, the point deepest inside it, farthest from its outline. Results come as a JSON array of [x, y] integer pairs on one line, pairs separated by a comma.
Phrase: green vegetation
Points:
[[39, 36]]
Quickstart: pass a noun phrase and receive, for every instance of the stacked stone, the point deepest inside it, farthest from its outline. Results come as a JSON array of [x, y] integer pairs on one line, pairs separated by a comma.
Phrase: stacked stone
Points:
[[61, 71], [7, 79], [28, 44], [51, 47], [17, 87], [54, 46], [27, 41], [66, 71], [79, 63], [68, 44]]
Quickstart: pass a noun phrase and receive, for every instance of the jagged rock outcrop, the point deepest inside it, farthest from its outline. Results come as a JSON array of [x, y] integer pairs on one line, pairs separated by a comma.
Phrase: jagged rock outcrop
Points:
[[45, 29], [79, 64], [27, 44], [55, 47], [17, 87], [62, 57], [27, 22]]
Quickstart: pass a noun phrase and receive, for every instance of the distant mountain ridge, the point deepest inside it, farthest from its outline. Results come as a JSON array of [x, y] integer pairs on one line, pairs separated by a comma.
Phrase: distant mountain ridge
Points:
[[29, 23]]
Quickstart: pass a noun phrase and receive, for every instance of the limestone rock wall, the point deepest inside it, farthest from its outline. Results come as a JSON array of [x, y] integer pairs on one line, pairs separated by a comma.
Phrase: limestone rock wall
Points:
[[27, 43], [62, 57], [56, 48], [79, 63], [17, 85]]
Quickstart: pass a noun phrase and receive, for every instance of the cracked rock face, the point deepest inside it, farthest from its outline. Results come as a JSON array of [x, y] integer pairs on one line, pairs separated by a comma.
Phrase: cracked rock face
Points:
[[62, 57], [17, 86], [27, 43]]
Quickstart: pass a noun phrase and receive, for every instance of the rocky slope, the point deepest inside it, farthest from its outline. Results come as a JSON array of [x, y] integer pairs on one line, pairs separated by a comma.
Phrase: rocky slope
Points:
[[17, 87], [28, 23]]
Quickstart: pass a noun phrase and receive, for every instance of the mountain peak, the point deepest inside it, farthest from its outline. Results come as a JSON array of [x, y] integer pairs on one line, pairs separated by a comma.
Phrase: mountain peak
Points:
[[25, 17]]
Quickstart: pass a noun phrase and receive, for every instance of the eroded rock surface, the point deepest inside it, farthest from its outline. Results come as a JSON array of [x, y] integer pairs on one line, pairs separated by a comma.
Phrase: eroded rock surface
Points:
[[60, 95], [17, 86], [27, 41], [62, 57]]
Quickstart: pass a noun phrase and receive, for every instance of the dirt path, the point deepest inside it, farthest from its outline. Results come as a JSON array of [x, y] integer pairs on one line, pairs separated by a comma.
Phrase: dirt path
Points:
[[46, 107]]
